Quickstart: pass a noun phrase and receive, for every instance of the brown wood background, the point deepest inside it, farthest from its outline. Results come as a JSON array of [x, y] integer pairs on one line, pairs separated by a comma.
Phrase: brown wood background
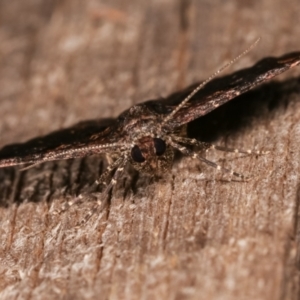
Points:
[[192, 235]]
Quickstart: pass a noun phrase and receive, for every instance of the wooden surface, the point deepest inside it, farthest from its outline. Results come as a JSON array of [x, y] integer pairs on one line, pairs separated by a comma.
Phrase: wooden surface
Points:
[[194, 234]]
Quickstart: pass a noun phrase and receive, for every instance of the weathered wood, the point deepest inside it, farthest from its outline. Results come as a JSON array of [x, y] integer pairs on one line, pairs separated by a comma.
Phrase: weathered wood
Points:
[[193, 234]]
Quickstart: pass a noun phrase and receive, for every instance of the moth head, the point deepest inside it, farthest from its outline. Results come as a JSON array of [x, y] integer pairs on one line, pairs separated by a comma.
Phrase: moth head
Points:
[[151, 155]]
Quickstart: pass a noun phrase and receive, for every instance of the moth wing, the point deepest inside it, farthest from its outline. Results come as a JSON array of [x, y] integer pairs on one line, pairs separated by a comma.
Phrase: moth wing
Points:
[[221, 90], [72, 142]]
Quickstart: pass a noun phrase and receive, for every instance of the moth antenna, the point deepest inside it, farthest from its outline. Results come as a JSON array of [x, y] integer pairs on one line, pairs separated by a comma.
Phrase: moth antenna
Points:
[[201, 85], [71, 153]]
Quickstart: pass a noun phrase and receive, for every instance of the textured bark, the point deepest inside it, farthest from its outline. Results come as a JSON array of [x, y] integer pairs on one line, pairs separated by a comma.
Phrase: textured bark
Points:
[[194, 234]]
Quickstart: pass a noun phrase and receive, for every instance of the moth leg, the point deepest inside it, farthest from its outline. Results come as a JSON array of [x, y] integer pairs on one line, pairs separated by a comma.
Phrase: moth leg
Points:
[[207, 146], [191, 142], [104, 177], [119, 171], [101, 203], [30, 166], [219, 167], [193, 154], [67, 205], [236, 150]]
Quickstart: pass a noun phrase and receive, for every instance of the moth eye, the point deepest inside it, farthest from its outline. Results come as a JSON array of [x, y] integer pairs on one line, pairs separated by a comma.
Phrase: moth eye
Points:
[[137, 155], [160, 146]]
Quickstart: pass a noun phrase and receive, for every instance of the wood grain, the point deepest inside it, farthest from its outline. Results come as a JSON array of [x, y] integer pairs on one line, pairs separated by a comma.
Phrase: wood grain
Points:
[[194, 234]]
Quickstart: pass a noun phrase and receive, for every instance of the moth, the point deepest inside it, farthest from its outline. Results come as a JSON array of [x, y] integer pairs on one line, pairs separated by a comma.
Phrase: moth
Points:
[[148, 134]]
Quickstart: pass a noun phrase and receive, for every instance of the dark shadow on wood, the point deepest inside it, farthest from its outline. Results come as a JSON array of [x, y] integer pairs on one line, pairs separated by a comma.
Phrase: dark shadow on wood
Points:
[[244, 110]]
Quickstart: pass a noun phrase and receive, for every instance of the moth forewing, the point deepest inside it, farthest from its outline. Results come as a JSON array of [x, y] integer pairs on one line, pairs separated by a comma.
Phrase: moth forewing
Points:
[[146, 135]]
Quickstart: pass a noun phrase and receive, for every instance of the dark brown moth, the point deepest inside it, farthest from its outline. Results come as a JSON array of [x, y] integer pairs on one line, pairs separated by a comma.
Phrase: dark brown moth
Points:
[[148, 134]]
